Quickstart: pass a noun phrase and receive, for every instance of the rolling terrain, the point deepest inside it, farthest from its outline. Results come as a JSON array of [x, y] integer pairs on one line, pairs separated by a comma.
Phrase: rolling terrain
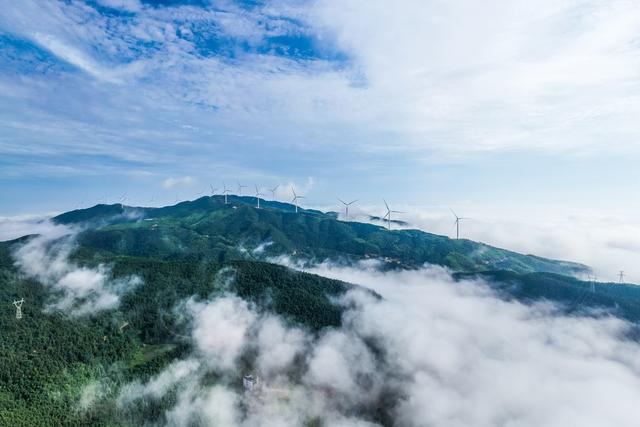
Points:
[[199, 250]]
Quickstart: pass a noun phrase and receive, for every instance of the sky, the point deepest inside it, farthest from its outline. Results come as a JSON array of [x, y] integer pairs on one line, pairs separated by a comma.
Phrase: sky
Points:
[[511, 112]]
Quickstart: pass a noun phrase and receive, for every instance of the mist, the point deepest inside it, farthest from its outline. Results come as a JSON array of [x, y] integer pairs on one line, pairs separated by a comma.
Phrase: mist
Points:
[[431, 351], [604, 240], [76, 289]]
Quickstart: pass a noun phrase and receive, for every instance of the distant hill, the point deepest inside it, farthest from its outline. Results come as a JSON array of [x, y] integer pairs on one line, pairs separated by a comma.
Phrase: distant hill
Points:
[[209, 229]]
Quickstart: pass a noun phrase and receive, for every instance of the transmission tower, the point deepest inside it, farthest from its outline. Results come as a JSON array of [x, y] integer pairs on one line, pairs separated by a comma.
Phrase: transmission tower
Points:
[[18, 305], [621, 277]]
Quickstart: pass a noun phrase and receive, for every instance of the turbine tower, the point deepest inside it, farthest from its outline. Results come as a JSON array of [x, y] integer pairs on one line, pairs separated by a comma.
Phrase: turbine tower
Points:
[[258, 194], [295, 198], [621, 276], [273, 192], [388, 214], [225, 192], [592, 282], [18, 305], [240, 187], [457, 223], [346, 207]]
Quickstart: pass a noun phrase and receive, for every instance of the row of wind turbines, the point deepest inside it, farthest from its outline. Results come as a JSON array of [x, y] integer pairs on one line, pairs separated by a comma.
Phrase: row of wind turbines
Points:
[[258, 194], [226, 191]]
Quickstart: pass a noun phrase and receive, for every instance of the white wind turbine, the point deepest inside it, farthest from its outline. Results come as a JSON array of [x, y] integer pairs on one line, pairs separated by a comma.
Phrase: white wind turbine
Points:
[[457, 223], [225, 192], [295, 198], [240, 187], [273, 192], [388, 214], [213, 189], [258, 194], [346, 207]]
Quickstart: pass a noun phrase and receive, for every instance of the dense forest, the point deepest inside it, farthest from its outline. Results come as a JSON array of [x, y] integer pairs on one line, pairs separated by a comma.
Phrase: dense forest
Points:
[[49, 357]]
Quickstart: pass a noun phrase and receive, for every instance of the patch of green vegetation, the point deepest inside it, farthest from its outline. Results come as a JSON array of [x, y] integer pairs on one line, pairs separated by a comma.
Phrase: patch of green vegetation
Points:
[[147, 353]]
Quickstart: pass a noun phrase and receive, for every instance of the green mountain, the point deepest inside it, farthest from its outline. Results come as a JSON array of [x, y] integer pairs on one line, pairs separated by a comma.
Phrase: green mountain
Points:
[[207, 228], [204, 248]]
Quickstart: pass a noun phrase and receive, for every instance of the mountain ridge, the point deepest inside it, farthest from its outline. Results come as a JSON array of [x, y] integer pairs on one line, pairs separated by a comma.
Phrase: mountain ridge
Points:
[[310, 233]]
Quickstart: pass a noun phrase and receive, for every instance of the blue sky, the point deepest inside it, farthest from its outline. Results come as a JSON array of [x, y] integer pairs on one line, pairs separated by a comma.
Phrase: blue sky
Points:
[[430, 104]]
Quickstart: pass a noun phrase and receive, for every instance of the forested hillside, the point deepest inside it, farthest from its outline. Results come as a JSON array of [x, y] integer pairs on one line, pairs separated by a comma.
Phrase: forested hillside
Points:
[[48, 358], [207, 228]]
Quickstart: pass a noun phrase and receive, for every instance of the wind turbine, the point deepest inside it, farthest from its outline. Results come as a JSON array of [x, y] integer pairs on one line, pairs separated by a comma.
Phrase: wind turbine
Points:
[[457, 223], [123, 199], [213, 189], [240, 187], [388, 214], [621, 276], [295, 198], [273, 192], [225, 192], [258, 194], [346, 207]]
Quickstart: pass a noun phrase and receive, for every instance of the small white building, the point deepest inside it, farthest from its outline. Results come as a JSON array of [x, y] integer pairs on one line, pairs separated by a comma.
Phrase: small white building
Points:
[[249, 382]]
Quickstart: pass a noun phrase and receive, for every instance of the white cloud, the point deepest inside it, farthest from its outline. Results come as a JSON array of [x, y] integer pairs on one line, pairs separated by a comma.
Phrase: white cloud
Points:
[[279, 345], [440, 352], [604, 240], [76, 289], [129, 5], [13, 227], [467, 76], [220, 329], [179, 182], [285, 190]]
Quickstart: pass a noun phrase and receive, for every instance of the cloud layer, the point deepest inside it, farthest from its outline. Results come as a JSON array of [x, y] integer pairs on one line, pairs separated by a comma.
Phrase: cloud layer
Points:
[[606, 241], [436, 352], [186, 80]]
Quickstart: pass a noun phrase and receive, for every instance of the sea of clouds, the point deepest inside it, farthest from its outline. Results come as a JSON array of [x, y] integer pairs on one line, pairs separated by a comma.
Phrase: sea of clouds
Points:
[[431, 352], [606, 240]]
